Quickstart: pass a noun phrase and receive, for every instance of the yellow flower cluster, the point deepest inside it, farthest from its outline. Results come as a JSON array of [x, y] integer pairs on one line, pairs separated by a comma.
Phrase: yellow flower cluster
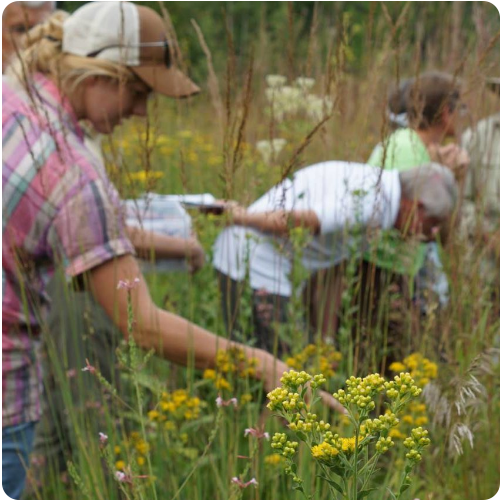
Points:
[[282, 399], [273, 459], [136, 446], [138, 142], [333, 445], [417, 441], [280, 443], [231, 364], [309, 424], [361, 392], [421, 369], [324, 451], [382, 424], [384, 444], [321, 358], [145, 176], [402, 385], [176, 407]]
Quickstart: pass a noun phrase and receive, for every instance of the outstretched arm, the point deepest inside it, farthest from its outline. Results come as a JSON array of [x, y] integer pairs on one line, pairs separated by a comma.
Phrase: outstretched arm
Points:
[[171, 336], [278, 222], [166, 247]]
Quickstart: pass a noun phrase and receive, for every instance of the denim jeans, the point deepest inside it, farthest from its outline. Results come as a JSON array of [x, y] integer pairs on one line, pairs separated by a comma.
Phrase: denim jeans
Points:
[[17, 442]]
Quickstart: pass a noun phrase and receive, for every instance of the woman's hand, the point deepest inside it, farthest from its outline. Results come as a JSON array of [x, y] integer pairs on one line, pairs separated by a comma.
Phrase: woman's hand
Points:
[[195, 255], [274, 370]]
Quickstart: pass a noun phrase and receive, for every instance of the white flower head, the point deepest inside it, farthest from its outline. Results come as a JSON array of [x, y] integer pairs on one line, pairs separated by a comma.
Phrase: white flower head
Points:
[[269, 149], [275, 81], [305, 83]]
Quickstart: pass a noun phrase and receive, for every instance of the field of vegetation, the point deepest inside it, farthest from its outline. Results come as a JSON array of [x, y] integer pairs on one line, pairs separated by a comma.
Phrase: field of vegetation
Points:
[[285, 85]]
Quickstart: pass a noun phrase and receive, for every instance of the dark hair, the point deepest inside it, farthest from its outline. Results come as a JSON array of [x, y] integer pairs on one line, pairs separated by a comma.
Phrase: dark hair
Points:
[[428, 95], [398, 96]]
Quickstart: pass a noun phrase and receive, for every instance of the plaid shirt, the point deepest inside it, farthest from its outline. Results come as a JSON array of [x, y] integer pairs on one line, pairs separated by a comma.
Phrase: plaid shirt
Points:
[[58, 208]]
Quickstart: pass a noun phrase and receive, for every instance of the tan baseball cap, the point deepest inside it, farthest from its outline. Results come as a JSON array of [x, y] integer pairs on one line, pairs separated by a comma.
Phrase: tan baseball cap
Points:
[[128, 34]]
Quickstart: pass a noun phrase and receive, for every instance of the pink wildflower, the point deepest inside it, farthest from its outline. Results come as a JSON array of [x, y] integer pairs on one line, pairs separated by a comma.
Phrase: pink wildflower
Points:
[[128, 285], [89, 367], [243, 485], [224, 403], [120, 476], [127, 477], [103, 438], [257, 433], [70, 373]]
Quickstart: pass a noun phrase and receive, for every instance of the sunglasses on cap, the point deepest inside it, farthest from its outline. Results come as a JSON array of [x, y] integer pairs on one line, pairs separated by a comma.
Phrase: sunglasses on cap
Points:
[[167, 60]]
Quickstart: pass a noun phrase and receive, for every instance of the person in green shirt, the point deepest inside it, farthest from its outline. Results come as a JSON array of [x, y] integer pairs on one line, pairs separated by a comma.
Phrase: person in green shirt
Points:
[[429, 105]]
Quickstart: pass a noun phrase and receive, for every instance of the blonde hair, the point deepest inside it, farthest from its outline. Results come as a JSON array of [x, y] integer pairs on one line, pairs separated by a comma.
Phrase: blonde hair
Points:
[[42, 53]]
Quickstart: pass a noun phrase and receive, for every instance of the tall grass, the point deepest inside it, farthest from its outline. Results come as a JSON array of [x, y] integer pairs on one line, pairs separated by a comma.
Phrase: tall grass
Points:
[[208, 145]]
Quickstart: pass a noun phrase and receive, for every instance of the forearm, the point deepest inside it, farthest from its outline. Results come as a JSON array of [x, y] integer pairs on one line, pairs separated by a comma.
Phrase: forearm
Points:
[[164, 246], [278, 222], [176, 339], [169, 335]]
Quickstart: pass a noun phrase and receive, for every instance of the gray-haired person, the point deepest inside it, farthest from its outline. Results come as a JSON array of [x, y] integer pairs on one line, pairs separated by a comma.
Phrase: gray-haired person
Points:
[[330, 199]]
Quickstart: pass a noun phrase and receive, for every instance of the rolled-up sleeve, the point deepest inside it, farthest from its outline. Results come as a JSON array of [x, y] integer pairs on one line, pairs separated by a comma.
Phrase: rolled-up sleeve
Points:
[[88, 229]]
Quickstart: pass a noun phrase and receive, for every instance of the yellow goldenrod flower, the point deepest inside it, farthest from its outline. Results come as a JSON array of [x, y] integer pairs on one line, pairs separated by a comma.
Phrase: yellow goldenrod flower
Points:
[[408, 419], [117, 449], [146, 175], [168, 406], [140, 460], [245, 398], [273, 459], [120, 465], [348, 444], [143, 447], [209, 374], [222, 384], [324, 451], [395, 433], [397, 367], [193, 402], [179, 397], [153, 415], [420, 420]]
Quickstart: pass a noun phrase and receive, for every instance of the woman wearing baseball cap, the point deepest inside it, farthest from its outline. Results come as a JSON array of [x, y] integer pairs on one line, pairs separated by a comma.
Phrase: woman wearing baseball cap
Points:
[[99, 64]]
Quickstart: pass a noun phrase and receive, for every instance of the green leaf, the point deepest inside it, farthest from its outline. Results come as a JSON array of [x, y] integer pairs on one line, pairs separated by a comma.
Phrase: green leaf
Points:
[[392, 496], [365, 493], [332, 483], [404, 487]]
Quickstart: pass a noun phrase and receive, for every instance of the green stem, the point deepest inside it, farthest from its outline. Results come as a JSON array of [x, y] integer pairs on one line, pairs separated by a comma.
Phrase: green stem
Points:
[[355, 465]]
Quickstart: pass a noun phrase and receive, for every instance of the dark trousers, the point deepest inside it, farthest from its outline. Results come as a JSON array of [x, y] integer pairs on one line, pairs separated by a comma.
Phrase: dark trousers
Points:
[[261, 323]]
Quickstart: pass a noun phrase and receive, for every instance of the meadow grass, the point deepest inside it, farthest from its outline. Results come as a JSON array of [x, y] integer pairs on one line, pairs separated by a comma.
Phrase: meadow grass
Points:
[[166, 436]]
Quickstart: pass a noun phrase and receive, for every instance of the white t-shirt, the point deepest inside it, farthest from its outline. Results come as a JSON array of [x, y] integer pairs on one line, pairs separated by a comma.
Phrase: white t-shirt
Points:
[[342, 195]]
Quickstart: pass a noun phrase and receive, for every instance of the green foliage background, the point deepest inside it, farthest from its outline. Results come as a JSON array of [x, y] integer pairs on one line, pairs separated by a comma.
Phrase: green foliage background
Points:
[[287, 25]]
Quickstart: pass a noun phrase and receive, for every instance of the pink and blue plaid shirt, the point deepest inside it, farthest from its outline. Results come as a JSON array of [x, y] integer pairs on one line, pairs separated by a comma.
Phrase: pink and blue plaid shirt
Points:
[[59, 207]]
